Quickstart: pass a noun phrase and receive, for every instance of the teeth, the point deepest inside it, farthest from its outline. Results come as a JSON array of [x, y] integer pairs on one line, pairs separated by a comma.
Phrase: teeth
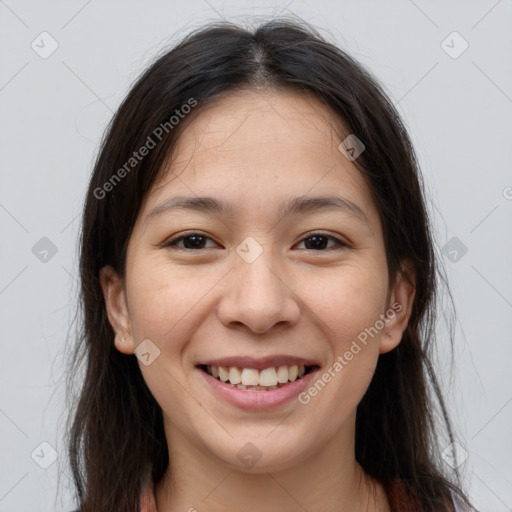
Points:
[[223, 373], [234, 375], [268, 377], [293, 372], [282, 374], [250, 378]]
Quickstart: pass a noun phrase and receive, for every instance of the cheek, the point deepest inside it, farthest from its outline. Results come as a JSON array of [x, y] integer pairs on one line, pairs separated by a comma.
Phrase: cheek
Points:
[[347, 301], [163, 301], [349, 305], [164, 307]]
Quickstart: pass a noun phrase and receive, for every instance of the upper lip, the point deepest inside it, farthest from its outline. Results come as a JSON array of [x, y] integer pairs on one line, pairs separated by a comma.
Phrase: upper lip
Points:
[[259, 363]]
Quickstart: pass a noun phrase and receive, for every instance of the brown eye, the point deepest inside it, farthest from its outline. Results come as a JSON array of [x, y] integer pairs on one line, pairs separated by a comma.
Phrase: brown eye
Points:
[[318, 242], [191, 241], [196, 241]]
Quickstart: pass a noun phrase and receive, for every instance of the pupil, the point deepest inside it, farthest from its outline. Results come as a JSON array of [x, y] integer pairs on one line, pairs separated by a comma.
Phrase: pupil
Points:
[[315, 245], [198, 241]]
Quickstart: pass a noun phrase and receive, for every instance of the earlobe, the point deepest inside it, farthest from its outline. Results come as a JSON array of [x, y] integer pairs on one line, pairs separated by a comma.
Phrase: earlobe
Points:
[[399, 308], [117, 309]]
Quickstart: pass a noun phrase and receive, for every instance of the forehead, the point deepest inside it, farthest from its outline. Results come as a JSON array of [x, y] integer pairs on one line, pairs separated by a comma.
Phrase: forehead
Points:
[[253, 148]]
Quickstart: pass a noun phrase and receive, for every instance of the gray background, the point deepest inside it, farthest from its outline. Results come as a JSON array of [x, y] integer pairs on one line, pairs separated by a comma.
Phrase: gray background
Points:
[[457, 107]]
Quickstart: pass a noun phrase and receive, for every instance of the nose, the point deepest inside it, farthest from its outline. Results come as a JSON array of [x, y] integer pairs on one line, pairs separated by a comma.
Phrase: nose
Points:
[[258, 296]]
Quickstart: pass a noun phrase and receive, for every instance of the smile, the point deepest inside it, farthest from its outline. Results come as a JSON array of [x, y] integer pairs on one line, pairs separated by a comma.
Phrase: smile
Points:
[[254, 389], [252, 379]]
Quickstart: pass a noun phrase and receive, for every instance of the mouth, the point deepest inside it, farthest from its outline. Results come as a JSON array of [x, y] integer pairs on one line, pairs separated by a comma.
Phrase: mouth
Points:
[[254, 379]]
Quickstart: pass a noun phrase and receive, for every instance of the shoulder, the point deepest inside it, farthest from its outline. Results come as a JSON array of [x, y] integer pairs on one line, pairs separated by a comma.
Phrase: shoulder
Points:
[[403, 498], [399, 496]]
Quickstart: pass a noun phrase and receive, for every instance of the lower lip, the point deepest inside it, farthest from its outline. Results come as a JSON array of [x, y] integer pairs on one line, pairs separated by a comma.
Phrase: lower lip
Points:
[[258, 400]]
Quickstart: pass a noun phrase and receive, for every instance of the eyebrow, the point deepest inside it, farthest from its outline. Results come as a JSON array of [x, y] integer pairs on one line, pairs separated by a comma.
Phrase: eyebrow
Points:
[[294, 205]]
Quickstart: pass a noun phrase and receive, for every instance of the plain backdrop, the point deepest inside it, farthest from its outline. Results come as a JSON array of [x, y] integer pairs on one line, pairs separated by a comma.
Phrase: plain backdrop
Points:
[[66, 66]]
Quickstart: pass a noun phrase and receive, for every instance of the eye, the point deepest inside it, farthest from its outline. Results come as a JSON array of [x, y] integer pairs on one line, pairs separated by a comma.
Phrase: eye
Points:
[[194, 240], [316, 241]]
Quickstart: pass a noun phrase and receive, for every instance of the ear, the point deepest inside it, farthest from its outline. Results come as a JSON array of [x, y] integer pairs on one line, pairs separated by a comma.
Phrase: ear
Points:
[[399, 308], [117, 309]]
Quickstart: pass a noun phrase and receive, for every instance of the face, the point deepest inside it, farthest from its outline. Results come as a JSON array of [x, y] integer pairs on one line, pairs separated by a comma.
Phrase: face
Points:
[[268, 282]]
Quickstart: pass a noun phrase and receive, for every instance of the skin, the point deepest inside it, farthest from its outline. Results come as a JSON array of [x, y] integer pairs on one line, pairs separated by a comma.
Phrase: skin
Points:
[[256, 149]]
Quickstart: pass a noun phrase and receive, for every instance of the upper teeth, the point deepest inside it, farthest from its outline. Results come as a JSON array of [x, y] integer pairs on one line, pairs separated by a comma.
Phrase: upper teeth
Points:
[[252, 377]]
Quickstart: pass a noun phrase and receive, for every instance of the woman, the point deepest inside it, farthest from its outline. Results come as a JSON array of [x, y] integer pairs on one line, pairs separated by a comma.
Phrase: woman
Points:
[[258, 290]]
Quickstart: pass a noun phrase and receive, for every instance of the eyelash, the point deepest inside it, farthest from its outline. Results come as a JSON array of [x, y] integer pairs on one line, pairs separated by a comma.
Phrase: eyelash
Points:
[[172, 243]]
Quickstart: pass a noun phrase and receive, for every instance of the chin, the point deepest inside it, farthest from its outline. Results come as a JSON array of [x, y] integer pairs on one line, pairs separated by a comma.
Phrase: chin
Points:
[[263, 453]]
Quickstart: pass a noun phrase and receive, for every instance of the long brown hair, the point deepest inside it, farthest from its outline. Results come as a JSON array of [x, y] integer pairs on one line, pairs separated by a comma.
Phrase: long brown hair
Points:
[[115, 428]]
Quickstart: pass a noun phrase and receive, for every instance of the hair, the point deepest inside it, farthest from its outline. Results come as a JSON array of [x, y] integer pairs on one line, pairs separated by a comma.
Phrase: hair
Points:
[[115, 428]]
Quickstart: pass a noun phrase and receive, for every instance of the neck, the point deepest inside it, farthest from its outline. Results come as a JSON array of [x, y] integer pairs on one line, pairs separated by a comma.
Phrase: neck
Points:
[[330, 480]]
